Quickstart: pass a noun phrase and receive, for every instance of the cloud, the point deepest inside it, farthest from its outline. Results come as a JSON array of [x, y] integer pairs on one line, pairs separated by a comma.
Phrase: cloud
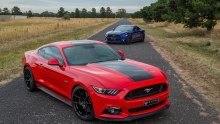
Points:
[[70, 5]]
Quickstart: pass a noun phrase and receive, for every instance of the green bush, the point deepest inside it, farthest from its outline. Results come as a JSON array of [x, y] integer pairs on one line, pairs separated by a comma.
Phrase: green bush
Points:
[[66, 16]]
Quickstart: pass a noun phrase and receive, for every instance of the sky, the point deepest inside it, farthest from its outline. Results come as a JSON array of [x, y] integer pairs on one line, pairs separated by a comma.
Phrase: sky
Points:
[[70, 5]]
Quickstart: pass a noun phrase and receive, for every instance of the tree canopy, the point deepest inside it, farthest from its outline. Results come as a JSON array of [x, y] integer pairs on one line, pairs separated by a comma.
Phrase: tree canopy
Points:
[[192, 13], [16, 11], [83, 13]]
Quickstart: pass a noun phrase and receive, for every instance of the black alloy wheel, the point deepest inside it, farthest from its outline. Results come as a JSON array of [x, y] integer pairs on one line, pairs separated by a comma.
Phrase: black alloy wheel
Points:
[[129, 39], [143, 38], [29, 80], [82, 104]]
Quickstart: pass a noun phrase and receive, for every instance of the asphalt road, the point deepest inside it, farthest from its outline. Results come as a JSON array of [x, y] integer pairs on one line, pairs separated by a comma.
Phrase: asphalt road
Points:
[[20, 106]]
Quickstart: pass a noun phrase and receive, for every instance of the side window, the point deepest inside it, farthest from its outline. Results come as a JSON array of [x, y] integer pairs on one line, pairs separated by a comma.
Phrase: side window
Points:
[[50, 53], [135, 28], [41, 52]]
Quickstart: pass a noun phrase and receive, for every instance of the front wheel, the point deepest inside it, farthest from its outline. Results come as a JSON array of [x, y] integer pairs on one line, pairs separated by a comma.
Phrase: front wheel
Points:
[[29, 80], [143, 38], [82, 104], [129, 40]]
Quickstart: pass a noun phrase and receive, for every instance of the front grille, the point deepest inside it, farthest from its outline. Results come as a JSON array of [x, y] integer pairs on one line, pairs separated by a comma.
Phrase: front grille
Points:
[[114, 40], [114, 36], [144, 91], [145, 107]]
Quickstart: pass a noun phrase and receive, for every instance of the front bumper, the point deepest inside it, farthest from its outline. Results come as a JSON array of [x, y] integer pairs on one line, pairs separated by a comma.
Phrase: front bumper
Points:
[[116, 40], [101, 102], [129, 118]]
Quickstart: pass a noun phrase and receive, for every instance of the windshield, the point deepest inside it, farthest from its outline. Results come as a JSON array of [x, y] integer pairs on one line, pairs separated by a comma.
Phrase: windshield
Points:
[[90, 53], [124, 28]]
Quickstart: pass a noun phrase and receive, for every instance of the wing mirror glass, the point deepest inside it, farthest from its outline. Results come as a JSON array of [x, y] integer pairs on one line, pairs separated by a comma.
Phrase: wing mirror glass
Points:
[[53, 61], [121, 53]]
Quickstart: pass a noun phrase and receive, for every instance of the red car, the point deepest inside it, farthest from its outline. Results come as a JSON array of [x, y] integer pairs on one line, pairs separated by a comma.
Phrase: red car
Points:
[[97, 81]]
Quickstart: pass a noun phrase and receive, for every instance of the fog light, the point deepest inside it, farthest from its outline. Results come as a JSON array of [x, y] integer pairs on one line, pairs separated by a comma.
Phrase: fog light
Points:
[[112, 110]]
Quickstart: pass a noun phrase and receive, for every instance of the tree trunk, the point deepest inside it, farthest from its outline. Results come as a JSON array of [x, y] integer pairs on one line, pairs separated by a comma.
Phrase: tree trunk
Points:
[[209, 28]]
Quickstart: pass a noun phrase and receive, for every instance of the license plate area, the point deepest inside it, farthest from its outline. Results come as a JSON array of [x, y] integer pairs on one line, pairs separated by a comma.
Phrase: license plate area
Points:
[[113, 38], [151, 102]]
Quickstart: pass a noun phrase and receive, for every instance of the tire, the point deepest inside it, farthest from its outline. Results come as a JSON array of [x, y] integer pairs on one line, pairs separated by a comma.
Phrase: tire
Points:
[[129, 39], [82, 104], [29, 80], [108, 42], [143, 38]]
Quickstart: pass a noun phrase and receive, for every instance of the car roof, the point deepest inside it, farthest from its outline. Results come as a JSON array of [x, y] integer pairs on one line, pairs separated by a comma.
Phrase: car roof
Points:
[[62, 44]]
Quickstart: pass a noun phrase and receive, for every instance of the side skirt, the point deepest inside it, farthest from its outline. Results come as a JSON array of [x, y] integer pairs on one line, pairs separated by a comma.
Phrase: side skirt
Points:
[[55, 94]]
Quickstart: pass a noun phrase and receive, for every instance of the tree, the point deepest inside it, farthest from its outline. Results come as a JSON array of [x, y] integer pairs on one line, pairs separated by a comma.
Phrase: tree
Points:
[[121, 13], [36, 15], [93, 13], [66, 16], [217, 14], [29, 14], [77, 13], [84, 13], [108, 12], [102, 12], [137, 14], [202, 14], [61, 12], [47, 14], [16, 11], [5, 11], [192, 13], [72, 15], [147, 13]]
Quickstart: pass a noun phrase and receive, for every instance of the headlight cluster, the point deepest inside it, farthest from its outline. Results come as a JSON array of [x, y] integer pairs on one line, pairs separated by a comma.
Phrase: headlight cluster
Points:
[[125, 35], [105, 91]]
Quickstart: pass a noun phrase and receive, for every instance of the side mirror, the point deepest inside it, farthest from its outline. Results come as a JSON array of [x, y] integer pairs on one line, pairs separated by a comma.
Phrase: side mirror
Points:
[[113, 29], [121, 53], [53, 61]]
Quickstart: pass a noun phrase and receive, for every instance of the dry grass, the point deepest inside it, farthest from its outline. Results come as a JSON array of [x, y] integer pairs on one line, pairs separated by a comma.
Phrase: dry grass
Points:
[[195, 54], [11, 50], [21, 29]]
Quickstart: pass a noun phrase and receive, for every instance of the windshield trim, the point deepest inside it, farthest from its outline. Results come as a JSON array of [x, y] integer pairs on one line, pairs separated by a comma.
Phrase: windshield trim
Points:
[[126, 30], [84, 64]]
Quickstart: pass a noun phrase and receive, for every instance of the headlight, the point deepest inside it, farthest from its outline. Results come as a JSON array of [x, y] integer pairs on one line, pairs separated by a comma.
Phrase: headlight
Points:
[[106, 35], [105, 91], [125, 35]]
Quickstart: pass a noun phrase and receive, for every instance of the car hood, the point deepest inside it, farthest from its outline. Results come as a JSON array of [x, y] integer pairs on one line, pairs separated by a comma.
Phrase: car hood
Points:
[[121, 73], [117, 32]]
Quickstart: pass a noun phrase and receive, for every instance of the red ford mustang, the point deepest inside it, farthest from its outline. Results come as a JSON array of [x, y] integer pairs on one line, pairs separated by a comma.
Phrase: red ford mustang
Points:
[[97, 81]]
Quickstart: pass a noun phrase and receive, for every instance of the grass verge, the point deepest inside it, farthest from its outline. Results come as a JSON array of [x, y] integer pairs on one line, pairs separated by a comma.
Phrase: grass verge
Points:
[[11, 52], [193, 53]]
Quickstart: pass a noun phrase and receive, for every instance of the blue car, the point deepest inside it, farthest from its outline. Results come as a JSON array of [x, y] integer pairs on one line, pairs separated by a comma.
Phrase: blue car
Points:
[[125, 34]]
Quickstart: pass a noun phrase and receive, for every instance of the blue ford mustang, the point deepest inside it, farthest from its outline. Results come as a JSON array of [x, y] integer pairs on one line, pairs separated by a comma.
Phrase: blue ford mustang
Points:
[[125, 34]]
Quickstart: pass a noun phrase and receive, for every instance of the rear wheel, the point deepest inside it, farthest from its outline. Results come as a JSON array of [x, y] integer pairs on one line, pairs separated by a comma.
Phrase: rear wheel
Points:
[[82, 104], [29, 80]]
